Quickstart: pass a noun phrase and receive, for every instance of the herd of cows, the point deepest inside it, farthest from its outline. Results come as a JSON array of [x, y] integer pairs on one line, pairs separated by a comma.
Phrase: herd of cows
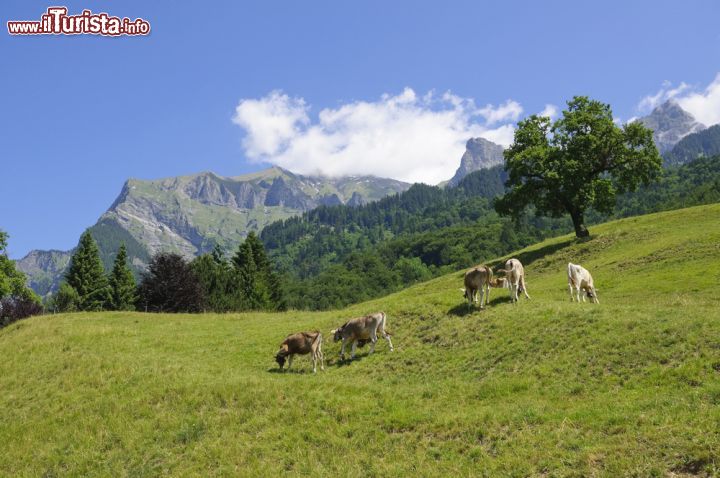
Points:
[[478, 281]]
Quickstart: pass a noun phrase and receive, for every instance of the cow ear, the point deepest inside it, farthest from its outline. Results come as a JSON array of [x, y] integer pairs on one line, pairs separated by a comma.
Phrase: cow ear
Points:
[[333, 331], [462, 289]]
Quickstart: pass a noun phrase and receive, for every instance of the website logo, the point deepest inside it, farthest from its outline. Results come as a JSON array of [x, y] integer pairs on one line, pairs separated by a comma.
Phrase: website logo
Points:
[[56, 21]]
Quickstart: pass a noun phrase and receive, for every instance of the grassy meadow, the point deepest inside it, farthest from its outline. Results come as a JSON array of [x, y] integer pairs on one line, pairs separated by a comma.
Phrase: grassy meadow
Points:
[[629, 387]]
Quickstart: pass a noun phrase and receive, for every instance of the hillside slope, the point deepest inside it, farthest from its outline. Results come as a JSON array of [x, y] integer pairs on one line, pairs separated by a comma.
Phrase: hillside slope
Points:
[[629, 387]]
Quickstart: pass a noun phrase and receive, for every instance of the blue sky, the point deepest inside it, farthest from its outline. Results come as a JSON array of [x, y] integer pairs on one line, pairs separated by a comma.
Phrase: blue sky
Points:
[[79, 115]]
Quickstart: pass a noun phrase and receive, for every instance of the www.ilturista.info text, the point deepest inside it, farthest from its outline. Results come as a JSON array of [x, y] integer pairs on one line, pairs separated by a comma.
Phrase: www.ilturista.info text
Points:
[[57, 22]]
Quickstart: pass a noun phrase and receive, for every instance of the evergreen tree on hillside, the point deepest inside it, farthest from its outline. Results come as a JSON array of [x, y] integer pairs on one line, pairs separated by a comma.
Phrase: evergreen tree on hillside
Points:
[[269, 279], [215, 274], [122, 283], [87, 276], [250, 287]]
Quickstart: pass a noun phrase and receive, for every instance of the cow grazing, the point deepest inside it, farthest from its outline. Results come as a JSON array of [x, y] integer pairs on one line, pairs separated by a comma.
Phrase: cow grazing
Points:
[[360, 331], [580, 279], [515, 277], [478, 279], [301, 343]]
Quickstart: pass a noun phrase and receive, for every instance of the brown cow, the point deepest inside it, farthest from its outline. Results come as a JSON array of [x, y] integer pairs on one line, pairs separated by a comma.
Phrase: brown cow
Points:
[[360, 331], [301, 343], [478, 279]]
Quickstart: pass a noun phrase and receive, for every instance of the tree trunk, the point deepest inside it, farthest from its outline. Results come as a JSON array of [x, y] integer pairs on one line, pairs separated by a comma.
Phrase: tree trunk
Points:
[[578, 219]]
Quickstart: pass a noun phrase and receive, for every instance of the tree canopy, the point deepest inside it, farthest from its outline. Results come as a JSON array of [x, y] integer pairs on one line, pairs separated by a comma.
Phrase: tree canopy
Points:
[[17, 301], [170, 285], [580, 161]]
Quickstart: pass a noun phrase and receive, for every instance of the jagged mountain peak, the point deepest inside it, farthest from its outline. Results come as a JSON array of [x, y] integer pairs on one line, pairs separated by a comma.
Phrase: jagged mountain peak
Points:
[[670, 123], [480, 153]]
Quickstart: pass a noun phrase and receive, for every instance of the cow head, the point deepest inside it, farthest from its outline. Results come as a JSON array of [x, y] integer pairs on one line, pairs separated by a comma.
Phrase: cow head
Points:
[[465, 292], [337, 334], [280, 359]]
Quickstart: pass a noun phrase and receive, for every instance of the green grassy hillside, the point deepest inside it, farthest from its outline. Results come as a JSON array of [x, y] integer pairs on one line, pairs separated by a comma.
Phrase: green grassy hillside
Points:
[[629, 387]]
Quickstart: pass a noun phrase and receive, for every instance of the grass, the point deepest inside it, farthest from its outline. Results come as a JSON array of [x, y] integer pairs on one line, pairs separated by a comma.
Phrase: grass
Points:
[[629, 387]]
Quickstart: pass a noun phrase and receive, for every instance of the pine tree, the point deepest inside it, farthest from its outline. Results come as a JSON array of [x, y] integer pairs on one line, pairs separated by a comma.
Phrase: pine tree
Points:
[[268, 278], [250, 288], [215, 275], [87, 276], [122, 283]]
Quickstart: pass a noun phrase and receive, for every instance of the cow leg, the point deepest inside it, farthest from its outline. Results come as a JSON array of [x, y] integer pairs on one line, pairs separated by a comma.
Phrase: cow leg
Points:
[[572, 298], [352, 350], [387, 337], [290, 359], [373, 340], [314, 358], [342, 349], [322, 357]]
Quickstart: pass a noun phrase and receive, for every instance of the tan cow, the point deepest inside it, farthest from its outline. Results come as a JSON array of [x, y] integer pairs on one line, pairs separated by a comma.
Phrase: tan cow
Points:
[[361, 330], [515, 277], [301, 343], [580, 278], [478, 279]]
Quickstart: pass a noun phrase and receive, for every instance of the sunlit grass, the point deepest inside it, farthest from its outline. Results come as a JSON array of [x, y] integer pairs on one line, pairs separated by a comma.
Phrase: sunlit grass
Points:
[[630, 387]]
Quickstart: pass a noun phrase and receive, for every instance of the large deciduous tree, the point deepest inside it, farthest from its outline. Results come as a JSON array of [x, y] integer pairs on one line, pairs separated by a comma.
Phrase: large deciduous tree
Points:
[[170, 285], [17, 301], [580, 161]]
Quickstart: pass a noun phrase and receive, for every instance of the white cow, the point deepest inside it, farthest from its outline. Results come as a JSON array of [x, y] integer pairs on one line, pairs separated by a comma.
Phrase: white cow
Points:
[[580, 279], [515, 278]]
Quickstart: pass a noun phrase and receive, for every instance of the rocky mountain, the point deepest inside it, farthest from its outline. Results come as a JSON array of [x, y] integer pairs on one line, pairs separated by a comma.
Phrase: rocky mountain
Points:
[[44, 269], [479, 154], [190, 214], [670, 123], [703, 143]]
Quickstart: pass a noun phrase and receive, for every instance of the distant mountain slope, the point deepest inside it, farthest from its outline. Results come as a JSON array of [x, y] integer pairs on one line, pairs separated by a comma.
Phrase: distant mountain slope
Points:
[[479, 154], [670, 123], [190, 214], [44, 269], [703, 143]]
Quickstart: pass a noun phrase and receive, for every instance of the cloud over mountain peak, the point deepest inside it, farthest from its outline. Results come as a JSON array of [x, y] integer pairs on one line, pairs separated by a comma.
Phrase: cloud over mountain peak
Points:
[[410, 137]]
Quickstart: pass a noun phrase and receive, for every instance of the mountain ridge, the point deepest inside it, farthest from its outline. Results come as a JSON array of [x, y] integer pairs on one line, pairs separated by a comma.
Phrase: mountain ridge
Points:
[[191, 213]]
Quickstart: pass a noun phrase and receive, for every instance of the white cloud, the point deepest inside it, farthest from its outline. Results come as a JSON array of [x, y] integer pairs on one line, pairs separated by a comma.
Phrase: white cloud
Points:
[[408, 137], [550, 111], [508, 111], [270, 122], [705, 105], [666, 92]]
